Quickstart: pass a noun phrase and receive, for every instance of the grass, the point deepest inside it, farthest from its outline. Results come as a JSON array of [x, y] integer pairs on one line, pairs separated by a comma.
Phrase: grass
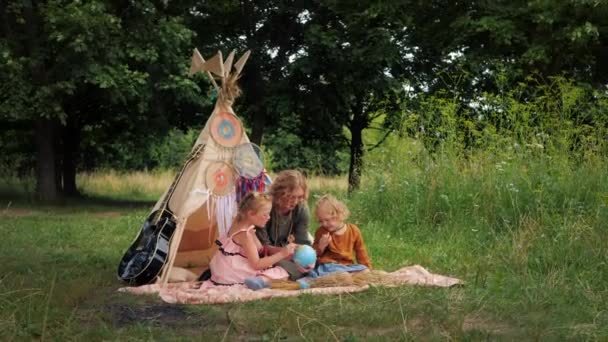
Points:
[[527, 233]]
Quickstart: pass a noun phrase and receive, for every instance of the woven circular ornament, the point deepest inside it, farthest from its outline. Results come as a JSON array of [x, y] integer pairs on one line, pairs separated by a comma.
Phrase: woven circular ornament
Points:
[[226, 129], [219, 178], [248, 160]]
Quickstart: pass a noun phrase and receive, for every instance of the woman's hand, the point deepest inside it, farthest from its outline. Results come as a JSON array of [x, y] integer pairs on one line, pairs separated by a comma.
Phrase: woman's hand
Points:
[[305, 269]]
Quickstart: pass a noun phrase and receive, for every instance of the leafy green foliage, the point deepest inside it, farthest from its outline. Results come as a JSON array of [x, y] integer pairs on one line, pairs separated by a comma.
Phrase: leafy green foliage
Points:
[[100, 73], [539, 36], [97, 81], [17, 156]]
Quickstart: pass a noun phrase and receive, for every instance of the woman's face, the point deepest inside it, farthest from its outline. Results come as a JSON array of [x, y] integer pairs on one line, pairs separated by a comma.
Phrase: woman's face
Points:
[[290, 200]]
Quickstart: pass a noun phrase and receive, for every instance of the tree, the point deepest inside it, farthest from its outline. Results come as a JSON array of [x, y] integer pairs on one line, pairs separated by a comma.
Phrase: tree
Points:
[[350, 66], [69, 66], [542, 37]]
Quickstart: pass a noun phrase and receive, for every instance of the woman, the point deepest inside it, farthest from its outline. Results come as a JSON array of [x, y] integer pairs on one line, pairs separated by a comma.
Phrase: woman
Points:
[[289, 218]]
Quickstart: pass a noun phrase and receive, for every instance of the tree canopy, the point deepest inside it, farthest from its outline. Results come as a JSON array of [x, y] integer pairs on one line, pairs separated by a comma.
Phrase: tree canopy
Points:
[[96, 83]]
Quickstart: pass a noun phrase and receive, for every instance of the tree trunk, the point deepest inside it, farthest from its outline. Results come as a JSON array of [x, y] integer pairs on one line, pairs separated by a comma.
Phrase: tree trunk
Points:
[[257, 131], [255, 92], [46, 158], [5, 26], [356, 153], [47, 185], [71, 143], [252, 78]]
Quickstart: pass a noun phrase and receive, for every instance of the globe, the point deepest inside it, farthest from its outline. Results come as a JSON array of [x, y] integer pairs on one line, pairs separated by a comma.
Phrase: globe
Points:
[[305, 256]]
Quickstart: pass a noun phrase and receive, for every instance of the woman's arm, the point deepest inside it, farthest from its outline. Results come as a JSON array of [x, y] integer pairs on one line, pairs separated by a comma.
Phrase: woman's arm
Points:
[[247, 241], [300, 225]]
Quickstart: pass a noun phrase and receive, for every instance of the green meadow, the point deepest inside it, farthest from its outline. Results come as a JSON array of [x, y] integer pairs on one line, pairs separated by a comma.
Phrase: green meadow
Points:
[[524, 228]]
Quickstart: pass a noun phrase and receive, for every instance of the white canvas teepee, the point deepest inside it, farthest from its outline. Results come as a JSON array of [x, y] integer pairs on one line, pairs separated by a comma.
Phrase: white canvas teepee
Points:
[[202, 199]]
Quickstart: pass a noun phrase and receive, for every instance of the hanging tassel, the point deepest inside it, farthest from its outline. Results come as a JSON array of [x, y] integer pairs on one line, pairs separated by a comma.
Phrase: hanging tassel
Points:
[[225, 209], [245, 185]]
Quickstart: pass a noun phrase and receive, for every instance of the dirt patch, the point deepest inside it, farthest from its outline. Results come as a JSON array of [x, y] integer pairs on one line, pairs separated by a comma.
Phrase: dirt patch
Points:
[[168, 316], [157, 314], [108, 307]]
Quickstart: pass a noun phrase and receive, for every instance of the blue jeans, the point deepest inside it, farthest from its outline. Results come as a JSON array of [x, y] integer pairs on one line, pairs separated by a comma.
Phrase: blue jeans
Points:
[[325, 269]]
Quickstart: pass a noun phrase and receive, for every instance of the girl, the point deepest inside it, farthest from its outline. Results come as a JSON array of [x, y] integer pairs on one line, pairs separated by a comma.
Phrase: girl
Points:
[[337, 243], [241, 257]]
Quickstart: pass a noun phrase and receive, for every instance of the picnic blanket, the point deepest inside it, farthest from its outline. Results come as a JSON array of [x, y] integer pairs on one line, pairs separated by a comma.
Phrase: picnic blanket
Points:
[[208, 293]]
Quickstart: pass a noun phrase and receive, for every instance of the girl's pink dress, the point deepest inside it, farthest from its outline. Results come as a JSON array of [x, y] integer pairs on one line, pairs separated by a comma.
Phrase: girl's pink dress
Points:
[[229, 265]]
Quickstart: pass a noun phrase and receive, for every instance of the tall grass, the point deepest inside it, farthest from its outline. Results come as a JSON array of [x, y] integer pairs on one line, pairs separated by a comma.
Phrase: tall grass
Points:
[[525, 227], [137, 185], [151, 184]]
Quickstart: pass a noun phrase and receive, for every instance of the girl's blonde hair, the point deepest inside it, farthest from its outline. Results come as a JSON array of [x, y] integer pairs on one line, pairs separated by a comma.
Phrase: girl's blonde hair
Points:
[[286, 182], [252, 201], [333, 206]]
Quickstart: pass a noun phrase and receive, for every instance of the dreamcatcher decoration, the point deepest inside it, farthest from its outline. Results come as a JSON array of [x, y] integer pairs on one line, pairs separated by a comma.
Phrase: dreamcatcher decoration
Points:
[[226, 129], [226, 132], [219, 179], [248, 161]]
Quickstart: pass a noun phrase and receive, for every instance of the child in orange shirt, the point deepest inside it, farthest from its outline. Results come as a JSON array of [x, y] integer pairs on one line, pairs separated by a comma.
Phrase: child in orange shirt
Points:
[[337, 243]]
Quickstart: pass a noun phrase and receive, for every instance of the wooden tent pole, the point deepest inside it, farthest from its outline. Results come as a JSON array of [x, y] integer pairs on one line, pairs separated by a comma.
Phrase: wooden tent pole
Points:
[[197, 56]]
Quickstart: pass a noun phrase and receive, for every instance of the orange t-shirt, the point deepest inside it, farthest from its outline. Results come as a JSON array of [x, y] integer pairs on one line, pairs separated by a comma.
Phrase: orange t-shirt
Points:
[[342, 249]]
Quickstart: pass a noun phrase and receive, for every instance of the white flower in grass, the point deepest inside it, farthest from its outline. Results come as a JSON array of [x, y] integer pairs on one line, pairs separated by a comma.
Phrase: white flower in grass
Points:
[[511, 187]]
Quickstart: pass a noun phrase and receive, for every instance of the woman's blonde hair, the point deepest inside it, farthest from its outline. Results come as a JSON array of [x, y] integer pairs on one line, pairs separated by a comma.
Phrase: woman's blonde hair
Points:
[[252, 201], [333, 206], [286, 182]]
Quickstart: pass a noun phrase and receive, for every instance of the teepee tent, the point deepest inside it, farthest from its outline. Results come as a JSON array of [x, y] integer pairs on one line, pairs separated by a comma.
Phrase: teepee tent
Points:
[[202, 199]]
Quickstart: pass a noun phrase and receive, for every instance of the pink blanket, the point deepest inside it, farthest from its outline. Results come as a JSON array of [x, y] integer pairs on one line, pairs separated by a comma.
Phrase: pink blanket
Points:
[[207, 293]]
